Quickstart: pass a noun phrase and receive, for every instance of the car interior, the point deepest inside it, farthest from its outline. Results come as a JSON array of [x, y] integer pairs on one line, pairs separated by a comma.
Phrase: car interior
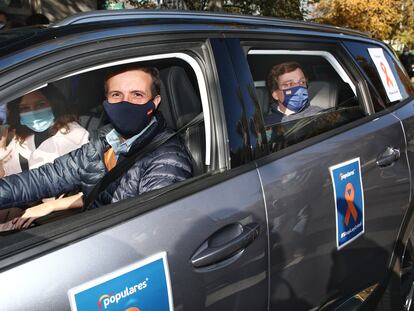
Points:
[[180, 104], [326, 88]]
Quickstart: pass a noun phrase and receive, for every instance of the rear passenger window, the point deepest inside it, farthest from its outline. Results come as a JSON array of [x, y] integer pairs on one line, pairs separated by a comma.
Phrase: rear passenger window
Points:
[[332, 99], [404, 88]]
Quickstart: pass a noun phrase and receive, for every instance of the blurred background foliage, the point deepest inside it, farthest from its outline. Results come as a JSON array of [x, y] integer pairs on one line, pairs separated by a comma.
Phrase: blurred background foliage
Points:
[[278, 8], [389, 20]]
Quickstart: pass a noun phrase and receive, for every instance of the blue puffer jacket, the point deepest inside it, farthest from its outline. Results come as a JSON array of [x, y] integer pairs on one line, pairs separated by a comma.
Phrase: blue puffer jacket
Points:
[[81, 169]]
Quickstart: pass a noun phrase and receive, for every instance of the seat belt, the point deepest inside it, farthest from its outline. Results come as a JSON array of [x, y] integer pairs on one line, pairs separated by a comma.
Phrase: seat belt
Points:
[[127, 163]]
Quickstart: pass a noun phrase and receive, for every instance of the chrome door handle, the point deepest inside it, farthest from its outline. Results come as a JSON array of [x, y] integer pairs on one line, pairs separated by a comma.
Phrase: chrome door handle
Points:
[[389, 156], [215, 253]]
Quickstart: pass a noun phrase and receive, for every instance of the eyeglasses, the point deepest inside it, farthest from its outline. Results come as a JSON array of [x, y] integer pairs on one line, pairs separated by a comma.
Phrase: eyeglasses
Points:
[[290, 84]]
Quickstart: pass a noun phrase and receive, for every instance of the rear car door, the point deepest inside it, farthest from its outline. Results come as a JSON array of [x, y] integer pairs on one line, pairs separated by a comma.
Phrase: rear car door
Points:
[[198, 245], [337, 184]]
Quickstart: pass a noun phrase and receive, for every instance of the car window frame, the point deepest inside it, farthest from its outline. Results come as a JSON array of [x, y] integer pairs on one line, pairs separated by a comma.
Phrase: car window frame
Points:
[[201, 81], [373, 91], [324, 54], [25, 245], [335, 48]]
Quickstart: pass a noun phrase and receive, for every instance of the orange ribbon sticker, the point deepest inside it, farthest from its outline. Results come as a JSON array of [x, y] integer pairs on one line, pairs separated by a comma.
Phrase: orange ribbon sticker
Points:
[[389, 81], [349, 197]]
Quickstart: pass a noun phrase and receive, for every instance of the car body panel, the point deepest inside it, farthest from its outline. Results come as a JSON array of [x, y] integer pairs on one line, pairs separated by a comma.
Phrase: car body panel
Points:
[[179, 229], [306, 266], [404, 113]]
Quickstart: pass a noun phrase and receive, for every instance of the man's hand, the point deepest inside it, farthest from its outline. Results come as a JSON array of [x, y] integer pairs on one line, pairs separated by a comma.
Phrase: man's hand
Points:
[[31, 214], [60, 204]]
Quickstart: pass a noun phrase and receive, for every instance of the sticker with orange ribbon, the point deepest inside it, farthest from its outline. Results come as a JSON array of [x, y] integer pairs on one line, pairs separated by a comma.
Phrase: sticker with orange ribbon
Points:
[[349, 201], [385, 73]]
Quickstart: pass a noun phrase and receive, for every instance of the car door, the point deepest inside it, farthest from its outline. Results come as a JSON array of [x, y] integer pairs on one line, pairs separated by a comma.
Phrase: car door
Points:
[[319, 255], [199, 245], [307, 267]]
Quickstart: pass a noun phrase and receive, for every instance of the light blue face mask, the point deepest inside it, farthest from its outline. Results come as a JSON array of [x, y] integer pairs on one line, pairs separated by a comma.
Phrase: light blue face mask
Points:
[[38, 120]]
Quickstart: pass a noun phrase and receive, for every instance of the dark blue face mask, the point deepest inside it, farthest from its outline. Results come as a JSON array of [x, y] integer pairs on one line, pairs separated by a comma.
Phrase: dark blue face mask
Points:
[[296, 98], [129, 119]]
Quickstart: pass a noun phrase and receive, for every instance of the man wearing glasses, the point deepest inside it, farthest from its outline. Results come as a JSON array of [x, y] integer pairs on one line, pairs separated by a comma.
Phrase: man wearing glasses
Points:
[[288, 86]]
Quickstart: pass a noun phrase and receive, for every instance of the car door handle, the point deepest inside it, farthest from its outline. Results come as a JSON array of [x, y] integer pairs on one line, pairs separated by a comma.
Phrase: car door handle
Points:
[[224, 243], [389, 156]]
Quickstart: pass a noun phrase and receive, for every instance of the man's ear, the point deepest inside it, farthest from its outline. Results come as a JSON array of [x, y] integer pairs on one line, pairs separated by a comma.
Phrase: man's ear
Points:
[[277, 96], [157, 100]]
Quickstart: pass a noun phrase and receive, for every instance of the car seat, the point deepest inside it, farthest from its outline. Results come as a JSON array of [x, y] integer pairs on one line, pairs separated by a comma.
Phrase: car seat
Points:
[[85, 93], [179, 105], [323, 94]]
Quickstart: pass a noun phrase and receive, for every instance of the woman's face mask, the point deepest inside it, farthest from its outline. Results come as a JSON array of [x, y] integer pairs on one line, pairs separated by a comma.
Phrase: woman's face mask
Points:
[[38, 120], [36, 112]]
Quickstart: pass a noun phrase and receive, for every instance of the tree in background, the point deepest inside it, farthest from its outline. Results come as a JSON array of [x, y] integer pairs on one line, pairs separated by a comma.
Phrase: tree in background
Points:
[[381, 18], [281, 8], [405, 32], [276, 8], [121, 4]]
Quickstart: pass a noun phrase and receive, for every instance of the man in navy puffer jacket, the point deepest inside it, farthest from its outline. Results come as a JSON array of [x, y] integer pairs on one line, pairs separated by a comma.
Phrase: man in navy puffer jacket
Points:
[[132, 98]]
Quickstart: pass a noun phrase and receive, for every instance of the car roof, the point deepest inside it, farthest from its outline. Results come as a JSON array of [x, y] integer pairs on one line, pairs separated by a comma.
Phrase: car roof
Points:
[[161, 16], [107, 24]]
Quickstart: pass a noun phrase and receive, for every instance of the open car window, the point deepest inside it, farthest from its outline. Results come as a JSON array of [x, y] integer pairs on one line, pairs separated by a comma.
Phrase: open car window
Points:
[[332, 96], [184, 98]]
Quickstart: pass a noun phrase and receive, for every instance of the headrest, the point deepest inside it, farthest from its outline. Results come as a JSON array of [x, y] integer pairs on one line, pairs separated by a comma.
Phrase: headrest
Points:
[[262, 96], [179, 101], [323, 94]]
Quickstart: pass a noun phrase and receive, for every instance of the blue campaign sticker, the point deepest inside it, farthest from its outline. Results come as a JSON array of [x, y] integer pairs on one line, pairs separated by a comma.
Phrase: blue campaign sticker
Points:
[[349, 201], [142, 286]]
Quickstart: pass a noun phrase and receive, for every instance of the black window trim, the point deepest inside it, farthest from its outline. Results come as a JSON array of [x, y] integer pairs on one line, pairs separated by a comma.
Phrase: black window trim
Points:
[[336, 50], [332, 47]]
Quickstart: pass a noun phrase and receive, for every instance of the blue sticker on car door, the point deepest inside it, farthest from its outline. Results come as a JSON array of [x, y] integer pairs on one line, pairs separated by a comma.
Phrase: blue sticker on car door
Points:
[[142, 286], [349, 201]]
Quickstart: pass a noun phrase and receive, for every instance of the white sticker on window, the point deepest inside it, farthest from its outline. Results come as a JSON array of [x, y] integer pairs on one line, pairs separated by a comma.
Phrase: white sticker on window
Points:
[[386, 74]]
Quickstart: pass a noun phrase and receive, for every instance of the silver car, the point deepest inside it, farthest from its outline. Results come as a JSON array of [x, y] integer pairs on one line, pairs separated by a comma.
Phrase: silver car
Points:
[[310, 214]]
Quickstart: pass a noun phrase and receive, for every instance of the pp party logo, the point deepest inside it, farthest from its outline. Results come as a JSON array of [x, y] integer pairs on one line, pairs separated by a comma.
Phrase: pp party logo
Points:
[[143, 285], [114, 298], [105, 300]]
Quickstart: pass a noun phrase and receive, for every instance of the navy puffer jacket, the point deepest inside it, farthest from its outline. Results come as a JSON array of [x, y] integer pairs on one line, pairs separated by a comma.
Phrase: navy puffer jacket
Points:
[[81, 169]]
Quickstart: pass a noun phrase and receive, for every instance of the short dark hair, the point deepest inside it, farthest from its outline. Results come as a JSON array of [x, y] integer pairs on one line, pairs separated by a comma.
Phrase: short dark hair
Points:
[[152, 71], [279, 70]]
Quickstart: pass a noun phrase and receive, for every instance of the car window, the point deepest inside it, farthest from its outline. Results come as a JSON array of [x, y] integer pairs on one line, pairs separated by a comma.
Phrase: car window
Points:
[[390, 94], [78, 97], [332, 96]]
